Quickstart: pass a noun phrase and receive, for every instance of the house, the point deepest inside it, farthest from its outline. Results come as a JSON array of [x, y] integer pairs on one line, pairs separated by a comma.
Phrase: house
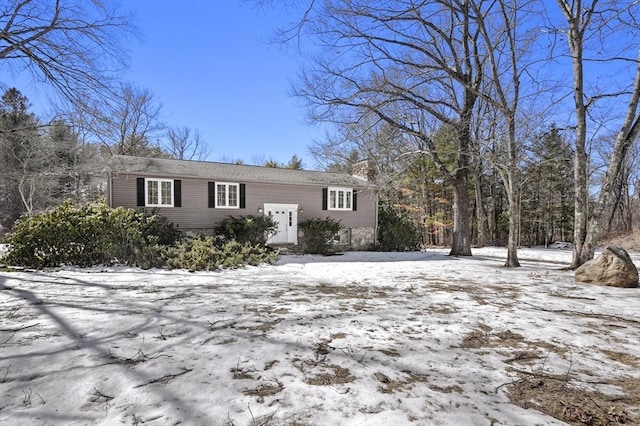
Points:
[[196, 195]]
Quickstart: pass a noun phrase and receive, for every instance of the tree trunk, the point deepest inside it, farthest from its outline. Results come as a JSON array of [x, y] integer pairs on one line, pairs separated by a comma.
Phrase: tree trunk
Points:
[[623, 142], [625, 138], [575, 37], [512, 186], [514, 226], [461, 245], [481, 214], [580, 206]]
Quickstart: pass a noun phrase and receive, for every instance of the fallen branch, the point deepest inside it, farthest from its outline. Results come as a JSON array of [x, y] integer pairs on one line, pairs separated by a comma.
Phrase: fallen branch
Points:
[[6, 373], [13, 331], [586, 314], [166, 378], [98, 396]]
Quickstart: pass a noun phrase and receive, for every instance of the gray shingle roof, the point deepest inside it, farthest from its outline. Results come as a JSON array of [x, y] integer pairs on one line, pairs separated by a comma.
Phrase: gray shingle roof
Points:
[[228, 172]]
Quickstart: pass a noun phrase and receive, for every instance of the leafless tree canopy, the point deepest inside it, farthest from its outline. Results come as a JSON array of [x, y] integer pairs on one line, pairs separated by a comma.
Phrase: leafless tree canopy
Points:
[[72, 45], [128, 124], [483, 68], [184, 143], [418, 66]]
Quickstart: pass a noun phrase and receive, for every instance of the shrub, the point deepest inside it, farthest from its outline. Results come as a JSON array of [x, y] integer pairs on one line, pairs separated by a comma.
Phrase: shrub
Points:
[[252, 230], [90, 235], [97, 234], [396, 232], [318, 234], [205, 254]]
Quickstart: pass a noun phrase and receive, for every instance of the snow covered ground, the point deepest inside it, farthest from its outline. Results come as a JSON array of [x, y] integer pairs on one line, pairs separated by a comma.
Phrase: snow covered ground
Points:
[[357, 339]]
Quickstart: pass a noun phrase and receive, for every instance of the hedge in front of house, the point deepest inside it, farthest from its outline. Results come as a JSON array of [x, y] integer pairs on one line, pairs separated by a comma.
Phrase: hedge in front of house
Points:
[[206, 253], [318, 234], [396, 232], [94, 234], [252, 230]]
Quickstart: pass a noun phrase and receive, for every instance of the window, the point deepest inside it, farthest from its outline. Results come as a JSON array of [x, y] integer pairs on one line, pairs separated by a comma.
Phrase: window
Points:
[[343, 237], [159, 192], [340, 198], [227, 195]]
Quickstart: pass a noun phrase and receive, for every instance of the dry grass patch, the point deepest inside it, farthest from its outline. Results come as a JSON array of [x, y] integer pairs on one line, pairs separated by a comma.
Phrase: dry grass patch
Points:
[[342, 292], [351, 291], [475, 339], [320, 372], [390, 352], [446, 389], [549, 347], [389, 385], [484, 337], [267, 388], [523, 356], [445, 309], [621, 357], [329, 374], [553, 395]]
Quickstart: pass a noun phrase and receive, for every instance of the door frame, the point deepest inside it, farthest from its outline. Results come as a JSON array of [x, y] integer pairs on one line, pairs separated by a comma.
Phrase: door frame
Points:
[[292, 229]]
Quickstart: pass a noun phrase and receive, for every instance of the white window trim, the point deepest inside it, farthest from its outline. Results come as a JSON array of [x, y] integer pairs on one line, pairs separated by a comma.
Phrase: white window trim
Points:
[[336, 189], [146, 192], [227, 185]]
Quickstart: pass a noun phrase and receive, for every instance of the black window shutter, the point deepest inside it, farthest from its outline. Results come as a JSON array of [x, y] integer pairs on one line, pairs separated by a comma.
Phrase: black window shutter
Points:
[[212, 194], [177, 193], [325, 194], [354, 202], [243, 196], [140, 192]]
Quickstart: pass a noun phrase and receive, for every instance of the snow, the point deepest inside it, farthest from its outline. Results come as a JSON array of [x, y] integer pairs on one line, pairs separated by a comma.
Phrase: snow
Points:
[[364, 338]]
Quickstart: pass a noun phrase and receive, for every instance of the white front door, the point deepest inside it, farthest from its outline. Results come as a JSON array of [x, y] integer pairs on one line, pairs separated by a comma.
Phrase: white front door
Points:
[[286, 216]]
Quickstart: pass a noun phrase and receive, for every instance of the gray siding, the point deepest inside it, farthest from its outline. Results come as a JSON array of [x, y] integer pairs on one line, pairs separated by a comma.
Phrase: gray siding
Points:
[[196, 215]]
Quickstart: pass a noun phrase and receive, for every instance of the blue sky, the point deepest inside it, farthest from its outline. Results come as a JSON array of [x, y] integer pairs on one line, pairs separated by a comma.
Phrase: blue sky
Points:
[[209, 63]]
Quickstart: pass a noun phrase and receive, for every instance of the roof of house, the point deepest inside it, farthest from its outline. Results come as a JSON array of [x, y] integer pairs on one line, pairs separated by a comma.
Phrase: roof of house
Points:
[[228, 172]]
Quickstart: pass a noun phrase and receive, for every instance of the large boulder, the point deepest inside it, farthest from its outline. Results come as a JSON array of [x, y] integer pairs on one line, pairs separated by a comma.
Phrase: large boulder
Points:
[[613, 267]]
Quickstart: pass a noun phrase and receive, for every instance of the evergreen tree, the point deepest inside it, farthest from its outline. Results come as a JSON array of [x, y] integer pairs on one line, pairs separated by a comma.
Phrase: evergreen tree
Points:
[[548, 190], [64, 162], [295, 163]]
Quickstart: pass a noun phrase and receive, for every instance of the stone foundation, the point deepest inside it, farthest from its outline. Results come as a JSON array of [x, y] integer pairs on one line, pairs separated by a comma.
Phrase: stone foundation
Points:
[[362, 238]]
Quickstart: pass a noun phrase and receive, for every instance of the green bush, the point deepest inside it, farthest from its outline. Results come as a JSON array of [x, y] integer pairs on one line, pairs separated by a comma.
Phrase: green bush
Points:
[[252, 230], [206, 254], [96, 234], [318, 235], [396, 232], [89, 235]]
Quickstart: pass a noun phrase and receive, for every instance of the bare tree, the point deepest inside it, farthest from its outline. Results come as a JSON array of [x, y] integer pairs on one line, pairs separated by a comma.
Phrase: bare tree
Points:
[[129, 124], [22, 156], [418, 66], [629, 131], [592, 29], [184, 143], [382, 146], [500, 32], [415, 67], [74, 46]]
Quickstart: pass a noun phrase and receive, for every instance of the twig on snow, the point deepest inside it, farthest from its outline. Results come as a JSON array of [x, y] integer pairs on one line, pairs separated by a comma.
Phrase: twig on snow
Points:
[[13, 331], [166, 378]]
